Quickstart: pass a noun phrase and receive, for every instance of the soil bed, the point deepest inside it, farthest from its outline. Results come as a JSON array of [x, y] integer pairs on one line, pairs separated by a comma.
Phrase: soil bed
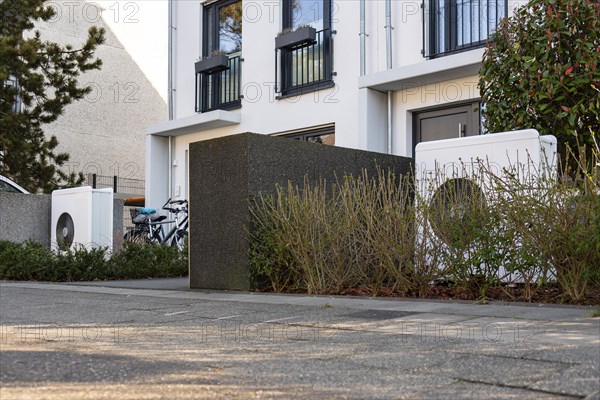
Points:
[[550, 294]]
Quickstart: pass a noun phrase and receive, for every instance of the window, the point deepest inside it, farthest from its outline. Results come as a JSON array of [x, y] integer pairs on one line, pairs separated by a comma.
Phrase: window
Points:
[[13, 84], [223, 28], [325, 135], [6, 187], [219, 88], [307, 66], [457, 25]]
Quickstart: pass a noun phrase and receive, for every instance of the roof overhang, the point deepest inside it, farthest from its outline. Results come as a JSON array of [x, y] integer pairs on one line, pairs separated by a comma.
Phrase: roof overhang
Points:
[[195, 123], [427, 72]]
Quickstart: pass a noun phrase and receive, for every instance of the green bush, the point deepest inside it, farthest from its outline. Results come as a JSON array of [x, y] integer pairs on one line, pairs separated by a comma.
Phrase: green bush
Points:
[[540, 70], [32, 261], [270, 259], [148, 261], [80, 264], [24, 261]]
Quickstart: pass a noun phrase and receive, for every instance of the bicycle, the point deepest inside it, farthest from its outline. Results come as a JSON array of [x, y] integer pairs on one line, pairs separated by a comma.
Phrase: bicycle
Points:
[[179, 233], [148, 225]]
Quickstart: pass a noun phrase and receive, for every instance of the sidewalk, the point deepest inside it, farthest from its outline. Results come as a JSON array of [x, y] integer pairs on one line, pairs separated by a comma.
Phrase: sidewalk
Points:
[[158, 339]]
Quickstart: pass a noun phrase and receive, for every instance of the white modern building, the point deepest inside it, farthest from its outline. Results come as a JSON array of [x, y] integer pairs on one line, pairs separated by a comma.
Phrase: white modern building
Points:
[[378, 75]]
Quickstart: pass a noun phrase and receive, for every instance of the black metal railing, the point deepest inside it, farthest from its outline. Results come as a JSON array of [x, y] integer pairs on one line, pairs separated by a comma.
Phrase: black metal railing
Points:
[[220, 89], [451, 26], [307, 65], [118, 184], [128, 186]]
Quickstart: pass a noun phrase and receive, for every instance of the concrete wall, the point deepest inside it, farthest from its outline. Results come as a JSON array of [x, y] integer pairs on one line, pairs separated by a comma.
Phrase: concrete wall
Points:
[[117, 225], [25, 217], [226, 172], [28, 217]]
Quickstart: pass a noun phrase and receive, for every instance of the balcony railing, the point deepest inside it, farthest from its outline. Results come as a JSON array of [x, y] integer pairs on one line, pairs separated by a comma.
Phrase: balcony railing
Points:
[[451, 26], [219, 90], [306, 65]]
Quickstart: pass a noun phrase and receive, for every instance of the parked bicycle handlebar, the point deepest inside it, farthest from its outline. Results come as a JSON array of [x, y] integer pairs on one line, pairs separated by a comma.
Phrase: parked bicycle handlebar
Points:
[[178, 202], [174, 210]]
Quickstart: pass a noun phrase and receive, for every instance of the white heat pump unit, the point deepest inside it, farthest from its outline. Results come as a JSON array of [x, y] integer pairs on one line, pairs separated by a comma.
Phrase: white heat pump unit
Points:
[[451, 173], [82, 217]]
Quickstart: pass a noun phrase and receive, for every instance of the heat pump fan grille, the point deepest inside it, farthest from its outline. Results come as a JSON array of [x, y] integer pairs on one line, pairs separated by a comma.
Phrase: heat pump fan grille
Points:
[[457, 212], [65, 231]]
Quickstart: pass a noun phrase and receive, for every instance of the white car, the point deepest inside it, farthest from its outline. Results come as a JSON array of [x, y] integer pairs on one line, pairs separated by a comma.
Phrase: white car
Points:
[[7, 185]]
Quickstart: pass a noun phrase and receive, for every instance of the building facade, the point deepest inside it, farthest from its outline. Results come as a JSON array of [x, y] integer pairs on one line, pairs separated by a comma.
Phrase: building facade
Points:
[[378, 75], [104, 133]]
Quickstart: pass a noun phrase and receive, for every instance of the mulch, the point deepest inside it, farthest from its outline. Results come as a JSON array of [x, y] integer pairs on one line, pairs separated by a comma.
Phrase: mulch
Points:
[[446, 290], [550, 294]]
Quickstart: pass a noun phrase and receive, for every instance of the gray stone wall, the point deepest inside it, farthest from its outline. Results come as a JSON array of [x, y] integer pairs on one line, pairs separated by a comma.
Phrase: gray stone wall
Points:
[[28, 216], [118, 231], [25, 217], [226, 172]]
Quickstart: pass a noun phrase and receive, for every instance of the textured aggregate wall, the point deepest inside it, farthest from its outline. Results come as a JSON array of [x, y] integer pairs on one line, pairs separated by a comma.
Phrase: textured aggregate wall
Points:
[[27, 217], [226, 172], [24, 217]]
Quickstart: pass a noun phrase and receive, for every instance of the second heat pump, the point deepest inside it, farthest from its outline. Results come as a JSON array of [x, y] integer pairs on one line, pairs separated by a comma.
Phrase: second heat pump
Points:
[[82, 217]]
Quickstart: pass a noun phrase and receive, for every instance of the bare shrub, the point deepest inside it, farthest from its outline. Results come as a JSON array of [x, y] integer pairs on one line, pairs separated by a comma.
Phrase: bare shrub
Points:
[[359, 232], [521, 228]]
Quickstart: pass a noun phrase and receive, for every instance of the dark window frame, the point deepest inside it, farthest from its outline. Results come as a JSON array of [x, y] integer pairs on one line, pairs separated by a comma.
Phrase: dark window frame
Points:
[[288, 14], [431, 48], [210, 84], [285, 69], [210, 39], [6, 187], [313, 132]]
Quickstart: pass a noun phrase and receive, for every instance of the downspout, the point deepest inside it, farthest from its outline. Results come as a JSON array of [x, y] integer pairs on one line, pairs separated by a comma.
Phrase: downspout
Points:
[[170, 180], [170, 61], [170, 96], [388, 28], [362, 35]]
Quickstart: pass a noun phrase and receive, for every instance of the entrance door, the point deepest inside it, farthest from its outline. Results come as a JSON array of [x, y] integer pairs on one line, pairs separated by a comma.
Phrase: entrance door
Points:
[[446, 123]]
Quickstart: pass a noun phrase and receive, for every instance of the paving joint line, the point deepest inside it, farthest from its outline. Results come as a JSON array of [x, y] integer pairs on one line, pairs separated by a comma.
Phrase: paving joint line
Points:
[[524, 358], [505, 385]]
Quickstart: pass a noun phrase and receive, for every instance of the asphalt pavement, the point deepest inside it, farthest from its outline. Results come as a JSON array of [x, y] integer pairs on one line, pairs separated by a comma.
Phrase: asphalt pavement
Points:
[[160, 340]]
